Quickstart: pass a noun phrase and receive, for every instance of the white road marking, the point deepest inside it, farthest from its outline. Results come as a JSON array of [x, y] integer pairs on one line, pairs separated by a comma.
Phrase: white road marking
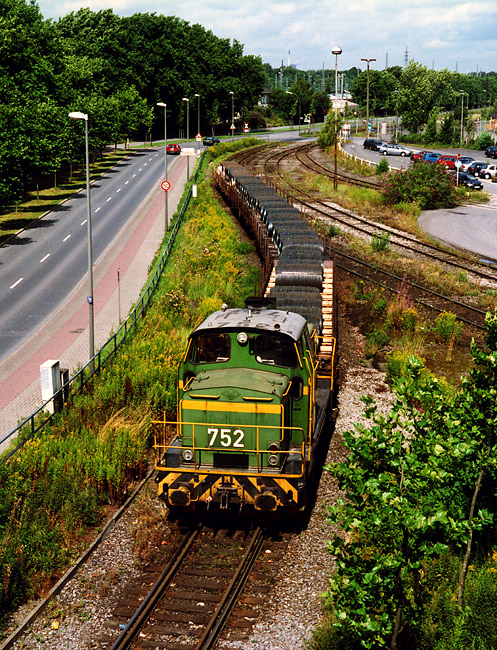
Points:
[[44, 258], [12, 286], [110, 197], [66, 238], [83, 222], [95, 213], [118, 190]]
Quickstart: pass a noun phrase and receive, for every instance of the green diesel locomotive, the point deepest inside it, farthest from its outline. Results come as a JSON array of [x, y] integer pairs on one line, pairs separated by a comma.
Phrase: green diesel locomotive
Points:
[[253, 399]]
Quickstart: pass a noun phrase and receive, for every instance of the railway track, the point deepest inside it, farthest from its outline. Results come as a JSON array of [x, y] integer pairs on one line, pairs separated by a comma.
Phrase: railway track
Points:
[[191, 598], [408, 245]]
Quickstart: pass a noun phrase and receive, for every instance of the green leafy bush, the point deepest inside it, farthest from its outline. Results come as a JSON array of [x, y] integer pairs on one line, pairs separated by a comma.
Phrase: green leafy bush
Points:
[[428, 185]]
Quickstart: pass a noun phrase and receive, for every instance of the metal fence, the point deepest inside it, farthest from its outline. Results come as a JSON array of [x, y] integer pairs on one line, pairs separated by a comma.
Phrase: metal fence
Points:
[[40, 418]]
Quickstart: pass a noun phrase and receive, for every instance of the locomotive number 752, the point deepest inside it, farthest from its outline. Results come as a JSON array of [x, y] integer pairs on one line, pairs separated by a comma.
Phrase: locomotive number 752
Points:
[[226, 437]]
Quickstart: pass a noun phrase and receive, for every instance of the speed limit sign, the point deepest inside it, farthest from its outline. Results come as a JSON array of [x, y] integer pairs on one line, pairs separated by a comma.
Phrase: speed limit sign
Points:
[[166, 185]]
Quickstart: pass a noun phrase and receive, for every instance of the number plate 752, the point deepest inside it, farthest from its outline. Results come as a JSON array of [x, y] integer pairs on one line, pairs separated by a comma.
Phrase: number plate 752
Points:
[[226, 437]]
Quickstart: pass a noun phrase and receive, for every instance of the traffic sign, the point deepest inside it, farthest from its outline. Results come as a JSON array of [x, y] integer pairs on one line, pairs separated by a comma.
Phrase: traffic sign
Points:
[[232, 127], [166, 185], [198, 137]]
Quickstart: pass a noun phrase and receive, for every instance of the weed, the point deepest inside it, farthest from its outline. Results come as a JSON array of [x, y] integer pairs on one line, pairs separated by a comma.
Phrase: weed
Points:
[[380, 243]]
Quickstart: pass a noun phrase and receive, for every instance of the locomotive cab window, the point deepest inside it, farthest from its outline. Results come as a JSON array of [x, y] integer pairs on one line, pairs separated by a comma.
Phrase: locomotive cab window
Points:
[[210, 348], [275, 351]]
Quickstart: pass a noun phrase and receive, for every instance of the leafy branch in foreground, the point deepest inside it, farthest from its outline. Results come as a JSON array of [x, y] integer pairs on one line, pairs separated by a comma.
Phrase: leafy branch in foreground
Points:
[[414, 483]]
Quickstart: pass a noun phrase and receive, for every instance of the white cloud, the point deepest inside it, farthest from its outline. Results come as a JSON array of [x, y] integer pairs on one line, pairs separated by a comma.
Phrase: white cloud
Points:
[[439, 31]]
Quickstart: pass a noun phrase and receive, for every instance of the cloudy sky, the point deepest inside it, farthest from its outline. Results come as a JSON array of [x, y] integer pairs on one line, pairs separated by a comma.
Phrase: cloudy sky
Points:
[[455, 34]]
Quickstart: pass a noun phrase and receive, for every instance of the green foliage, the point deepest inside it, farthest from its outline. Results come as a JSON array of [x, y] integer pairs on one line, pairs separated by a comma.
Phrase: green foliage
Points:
[[326, 137], [420, 91], [446, 133], [447, 327], [333, 230], [375, 340], [484, 140], [113, 68], [430, 134], [382, 167], [380, 243], [428, 185], [409, 483]]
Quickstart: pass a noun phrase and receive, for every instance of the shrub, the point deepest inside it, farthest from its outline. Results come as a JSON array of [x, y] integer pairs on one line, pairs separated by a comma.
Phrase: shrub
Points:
[[447, 328], [484, 140], [382, 167], [380, 243], [429, 185], [333, 230]]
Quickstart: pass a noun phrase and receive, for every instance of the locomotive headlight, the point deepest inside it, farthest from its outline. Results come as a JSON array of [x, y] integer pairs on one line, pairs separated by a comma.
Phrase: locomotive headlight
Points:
[[188, 455], [242, 338], [273, 460]]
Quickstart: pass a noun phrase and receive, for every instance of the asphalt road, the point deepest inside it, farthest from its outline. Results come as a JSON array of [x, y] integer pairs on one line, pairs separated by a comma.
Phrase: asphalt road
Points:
[[42, 266]]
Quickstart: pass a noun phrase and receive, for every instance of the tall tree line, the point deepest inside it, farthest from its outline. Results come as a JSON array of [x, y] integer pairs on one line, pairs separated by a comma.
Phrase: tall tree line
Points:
[[115, 69]]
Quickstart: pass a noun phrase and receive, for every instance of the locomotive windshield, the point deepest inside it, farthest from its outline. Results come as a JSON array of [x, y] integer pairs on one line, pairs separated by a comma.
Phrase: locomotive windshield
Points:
[[210, 348], [275, 351]]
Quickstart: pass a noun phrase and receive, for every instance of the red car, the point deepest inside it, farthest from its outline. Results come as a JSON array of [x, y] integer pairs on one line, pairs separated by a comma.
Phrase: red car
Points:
[[447, 161], [173, 149], [418, 154]]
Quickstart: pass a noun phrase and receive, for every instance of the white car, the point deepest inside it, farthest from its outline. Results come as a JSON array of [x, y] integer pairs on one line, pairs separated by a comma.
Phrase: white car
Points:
[[391, 149], [489, 171]]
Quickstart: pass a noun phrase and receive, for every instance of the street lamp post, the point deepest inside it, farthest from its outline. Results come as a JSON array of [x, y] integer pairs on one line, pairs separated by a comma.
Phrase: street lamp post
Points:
[[367, 95], [198, 113], [336, 51], [232, 127], [185, 99], [462, 93], [91, 321], [166, 210]]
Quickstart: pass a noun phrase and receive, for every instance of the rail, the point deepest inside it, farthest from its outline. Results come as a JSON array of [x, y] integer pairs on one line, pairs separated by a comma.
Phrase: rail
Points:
[[30, 426]]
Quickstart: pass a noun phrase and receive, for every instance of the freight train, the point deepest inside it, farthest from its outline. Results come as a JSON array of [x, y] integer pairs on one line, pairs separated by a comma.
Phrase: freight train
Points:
[[256, 384]]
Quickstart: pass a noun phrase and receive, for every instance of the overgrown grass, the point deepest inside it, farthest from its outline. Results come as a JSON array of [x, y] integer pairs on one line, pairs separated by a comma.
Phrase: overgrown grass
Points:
[[57, 486]]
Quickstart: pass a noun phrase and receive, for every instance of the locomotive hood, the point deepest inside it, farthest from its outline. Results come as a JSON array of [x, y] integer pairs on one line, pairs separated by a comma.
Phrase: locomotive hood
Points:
[[237, 385]]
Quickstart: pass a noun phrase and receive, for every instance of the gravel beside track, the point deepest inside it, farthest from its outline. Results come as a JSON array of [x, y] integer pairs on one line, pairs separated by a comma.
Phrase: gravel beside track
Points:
[[76, 618]]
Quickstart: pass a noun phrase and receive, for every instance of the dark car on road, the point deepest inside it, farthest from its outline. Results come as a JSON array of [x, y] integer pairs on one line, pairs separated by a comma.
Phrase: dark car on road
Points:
[[491, 152], [475, 169], [371, 143], [211, 140], [469, 181]]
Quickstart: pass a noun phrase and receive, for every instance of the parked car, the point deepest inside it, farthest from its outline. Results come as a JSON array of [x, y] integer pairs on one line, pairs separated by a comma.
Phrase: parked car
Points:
[[211, 140], [447, 161], [466, 162], [391, 149], [489, 171], [491, 152], [476, 168], [174, 149], [371, 143], [468, 180], [417, 155], [430, 157]]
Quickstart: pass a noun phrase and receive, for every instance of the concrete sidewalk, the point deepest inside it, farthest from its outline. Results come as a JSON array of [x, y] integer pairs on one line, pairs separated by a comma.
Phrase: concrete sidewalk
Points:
[[65, 335]]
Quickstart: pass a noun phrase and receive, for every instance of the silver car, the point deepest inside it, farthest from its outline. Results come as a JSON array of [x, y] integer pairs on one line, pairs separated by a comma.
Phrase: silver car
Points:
[[391, 149]]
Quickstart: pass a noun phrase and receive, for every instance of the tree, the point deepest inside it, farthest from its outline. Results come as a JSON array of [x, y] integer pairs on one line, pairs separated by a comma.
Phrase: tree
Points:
[[430, 134], [416, 482], [428, 185], [420, 91]]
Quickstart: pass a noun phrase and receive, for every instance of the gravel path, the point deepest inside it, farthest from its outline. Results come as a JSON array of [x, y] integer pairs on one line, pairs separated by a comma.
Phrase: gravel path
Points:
[[76, 617]]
